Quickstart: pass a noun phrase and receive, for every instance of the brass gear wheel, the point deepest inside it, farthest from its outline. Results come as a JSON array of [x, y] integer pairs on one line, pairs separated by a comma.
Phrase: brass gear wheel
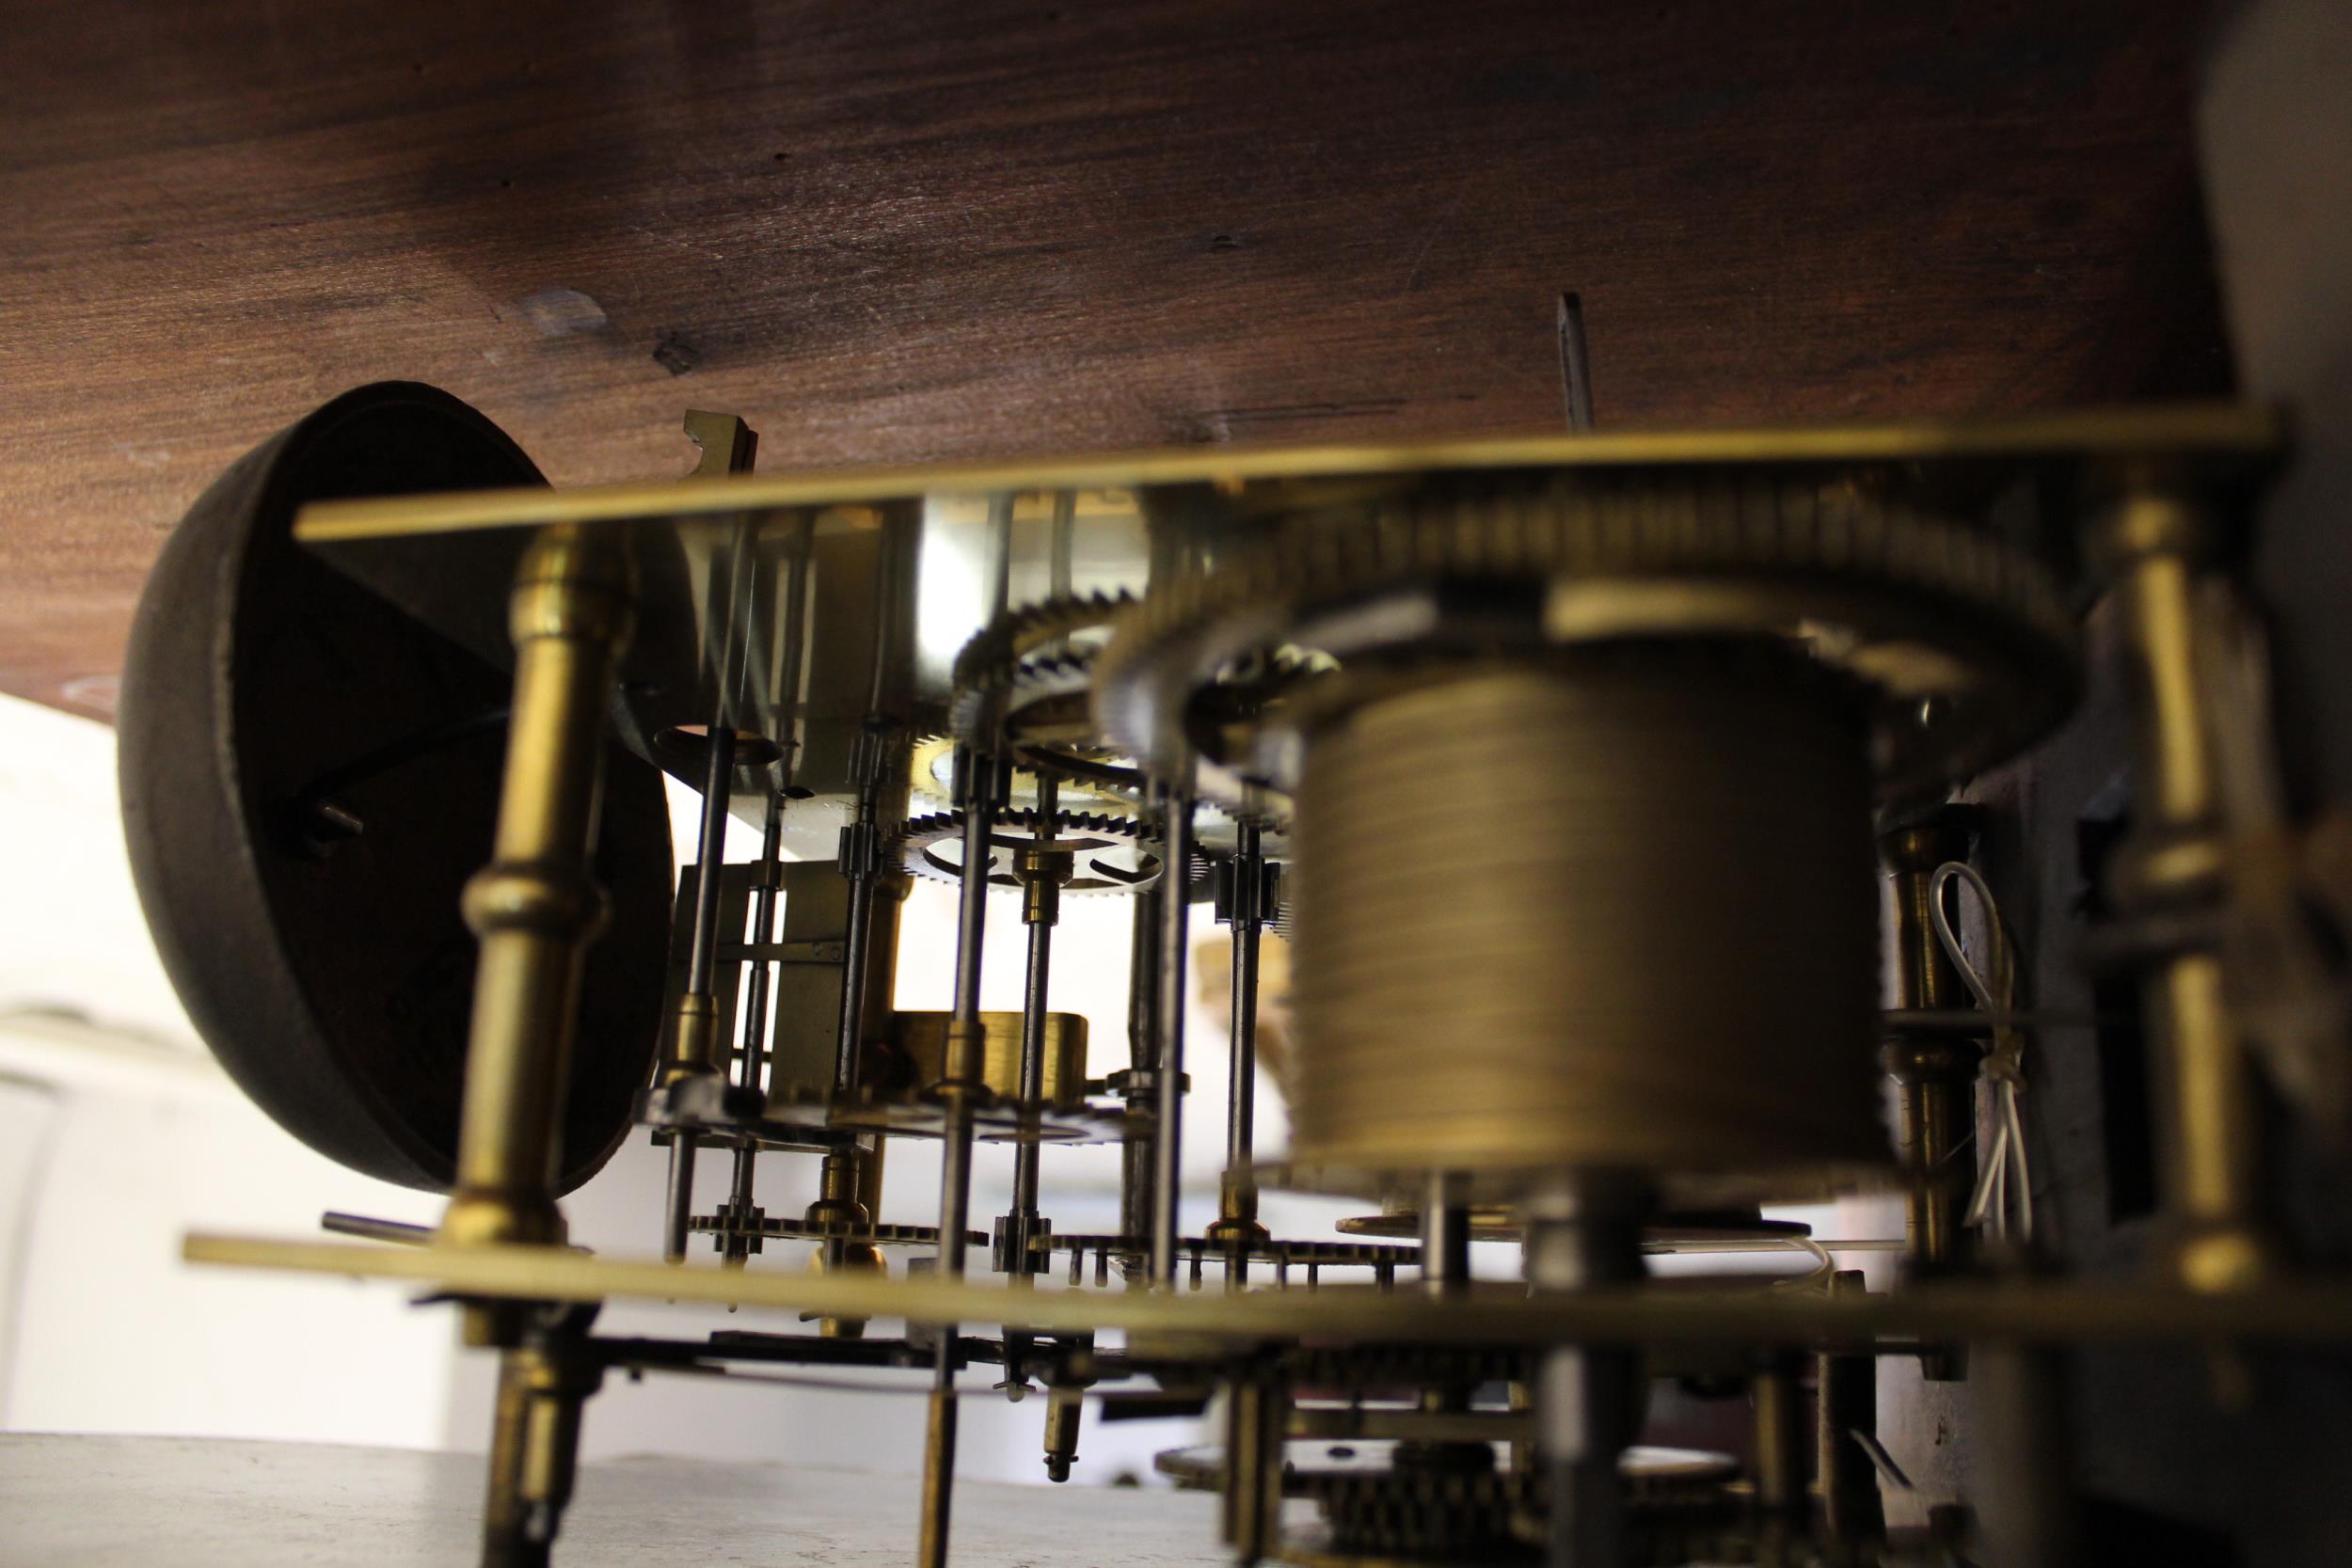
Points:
[[1381, 1504], [1025, 684], [1965, 641], [1037, 652], [930, 779], [1113, 854]]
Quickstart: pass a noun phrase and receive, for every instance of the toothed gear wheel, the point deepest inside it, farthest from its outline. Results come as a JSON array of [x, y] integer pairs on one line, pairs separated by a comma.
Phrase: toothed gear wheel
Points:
[[1033, 649], [1965, 640], [1439, 1515], [1495, 1514], [1385, 1501], [1045, 701], [1112, 854], [1024, 682], [1391, 1367], [930, 778]]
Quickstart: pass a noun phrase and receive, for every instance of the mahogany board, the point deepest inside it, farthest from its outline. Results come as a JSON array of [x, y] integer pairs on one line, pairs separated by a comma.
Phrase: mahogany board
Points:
[[885, 232]]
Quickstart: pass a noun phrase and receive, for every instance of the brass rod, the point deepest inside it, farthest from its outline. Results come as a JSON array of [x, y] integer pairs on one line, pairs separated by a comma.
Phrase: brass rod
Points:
[[718, 786], [860, 858], [2023, 1480], [1036, 978], [939, 1468], [977, 788], [677, 1197], [1781, 1456], [550, 1449], [502, 1540], [1138, 1141], [1845, 1413], [1175, 935], [1445, 1234], [1585, 1394], [966, 1042], [1253, 1468], [1039, 912], [759, 976], [1239, 1194], [694, 1043], [756, 982], [860, 854]]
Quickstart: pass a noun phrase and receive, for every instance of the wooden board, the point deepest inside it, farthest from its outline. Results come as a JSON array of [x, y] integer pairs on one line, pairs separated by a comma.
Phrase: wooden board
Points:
[[937, 230]]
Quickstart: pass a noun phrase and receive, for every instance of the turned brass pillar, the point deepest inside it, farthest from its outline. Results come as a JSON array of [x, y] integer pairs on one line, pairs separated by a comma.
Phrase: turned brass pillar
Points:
[[2157, 545], [535, 908]]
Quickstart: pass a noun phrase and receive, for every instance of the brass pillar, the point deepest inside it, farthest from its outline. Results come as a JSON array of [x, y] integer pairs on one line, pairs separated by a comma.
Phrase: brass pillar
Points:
[[503, 1509], [2023, 1482], [543, 1384], [1781, 1456], [1851, 1515], [2156, 543], [838, 1181], [1257, 1408], [1934, 1071], [535, 907]]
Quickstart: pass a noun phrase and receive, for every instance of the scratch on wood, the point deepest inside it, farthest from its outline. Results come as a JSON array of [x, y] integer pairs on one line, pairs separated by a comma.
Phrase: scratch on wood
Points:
[[1218, 424], [1460, 195]]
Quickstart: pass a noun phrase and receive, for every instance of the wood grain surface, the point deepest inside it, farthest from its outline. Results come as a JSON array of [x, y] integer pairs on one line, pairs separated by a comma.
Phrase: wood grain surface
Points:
[[890, 231]]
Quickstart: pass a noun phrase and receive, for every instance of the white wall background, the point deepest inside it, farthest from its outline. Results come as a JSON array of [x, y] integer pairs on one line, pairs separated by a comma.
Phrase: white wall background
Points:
[[117, 1133]]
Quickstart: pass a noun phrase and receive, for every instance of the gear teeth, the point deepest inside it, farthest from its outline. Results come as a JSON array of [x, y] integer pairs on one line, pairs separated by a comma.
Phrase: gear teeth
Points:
[[1760, 527], [922, 750], [1016, 633], [1015, 650], [1014, 663], [910, 841]]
